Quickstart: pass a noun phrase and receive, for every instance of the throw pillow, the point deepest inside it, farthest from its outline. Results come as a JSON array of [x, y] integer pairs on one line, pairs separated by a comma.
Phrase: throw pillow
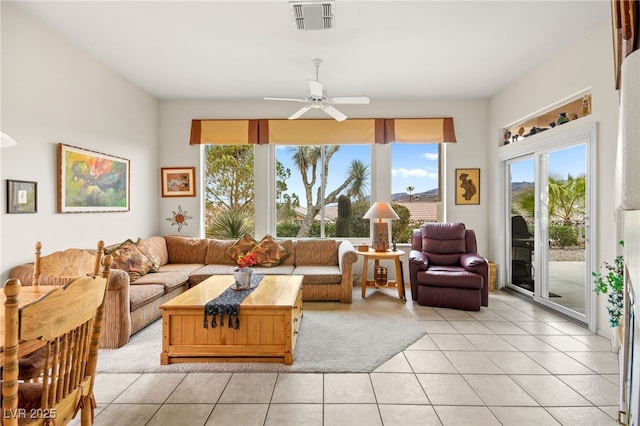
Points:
[[242, 246], [147, 248], [128, 257], [269, 252]]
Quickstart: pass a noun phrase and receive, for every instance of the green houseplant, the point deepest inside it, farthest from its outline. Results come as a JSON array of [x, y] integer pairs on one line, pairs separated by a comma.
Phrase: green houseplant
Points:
[[611, 282]]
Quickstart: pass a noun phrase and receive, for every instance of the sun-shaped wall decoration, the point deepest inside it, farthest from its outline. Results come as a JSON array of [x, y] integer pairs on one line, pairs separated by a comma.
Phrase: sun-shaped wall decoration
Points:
[[179, 218]]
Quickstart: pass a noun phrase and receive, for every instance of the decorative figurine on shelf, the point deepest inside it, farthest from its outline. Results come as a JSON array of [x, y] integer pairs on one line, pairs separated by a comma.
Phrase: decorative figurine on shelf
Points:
[[507, 137], [514, 138], [534, 130], [521, 131], [562, 118], [552, 124]]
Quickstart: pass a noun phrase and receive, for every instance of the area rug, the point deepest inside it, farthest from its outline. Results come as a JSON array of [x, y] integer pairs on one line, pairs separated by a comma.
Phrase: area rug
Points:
[[333, 337]]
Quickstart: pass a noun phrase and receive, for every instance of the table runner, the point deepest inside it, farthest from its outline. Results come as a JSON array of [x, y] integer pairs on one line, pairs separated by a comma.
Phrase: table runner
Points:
[[228, 303]]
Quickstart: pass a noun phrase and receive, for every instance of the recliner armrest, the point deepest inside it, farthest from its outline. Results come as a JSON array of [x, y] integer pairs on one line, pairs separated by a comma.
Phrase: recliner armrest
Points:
[[419, 259], [471, 261]]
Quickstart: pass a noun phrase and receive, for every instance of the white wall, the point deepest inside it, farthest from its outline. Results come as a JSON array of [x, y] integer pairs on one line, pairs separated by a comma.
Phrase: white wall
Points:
[[470, 118], [52, 92], [585, 64]]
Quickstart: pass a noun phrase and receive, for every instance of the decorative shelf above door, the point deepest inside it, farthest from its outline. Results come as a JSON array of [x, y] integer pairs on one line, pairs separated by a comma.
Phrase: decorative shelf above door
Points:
[[572, 110]]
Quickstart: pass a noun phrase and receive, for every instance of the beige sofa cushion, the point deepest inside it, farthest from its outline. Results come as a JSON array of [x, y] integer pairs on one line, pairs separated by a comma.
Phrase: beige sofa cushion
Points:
[[185, 249], [140, 295], [217, 252], [168, 279], [319, 274], [290, 260], [316, 252]]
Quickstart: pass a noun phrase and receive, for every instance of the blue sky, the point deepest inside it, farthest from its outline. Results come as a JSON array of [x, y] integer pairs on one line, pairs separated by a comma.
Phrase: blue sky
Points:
[[412, 165], [561, 163]]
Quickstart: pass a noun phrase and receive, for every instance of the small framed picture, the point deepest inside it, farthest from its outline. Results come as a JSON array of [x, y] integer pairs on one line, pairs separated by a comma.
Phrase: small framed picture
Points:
[[467, 186], [178, 181], [22, 196]]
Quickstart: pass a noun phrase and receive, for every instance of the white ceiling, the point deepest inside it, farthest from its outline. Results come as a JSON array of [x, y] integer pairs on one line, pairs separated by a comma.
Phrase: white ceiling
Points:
[[382, 49]]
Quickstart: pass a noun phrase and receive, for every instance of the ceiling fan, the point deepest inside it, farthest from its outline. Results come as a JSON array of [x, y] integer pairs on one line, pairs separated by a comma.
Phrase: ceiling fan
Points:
[[317, 98]]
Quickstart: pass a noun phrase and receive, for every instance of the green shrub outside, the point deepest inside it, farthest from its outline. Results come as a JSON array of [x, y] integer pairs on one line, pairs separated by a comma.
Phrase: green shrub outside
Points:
[[563, 235]]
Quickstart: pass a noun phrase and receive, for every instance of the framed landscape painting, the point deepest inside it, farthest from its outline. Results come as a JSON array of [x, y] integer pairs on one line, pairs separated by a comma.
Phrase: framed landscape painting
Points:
[[22, 196], [467, 186], [90, 181], [178, 181]]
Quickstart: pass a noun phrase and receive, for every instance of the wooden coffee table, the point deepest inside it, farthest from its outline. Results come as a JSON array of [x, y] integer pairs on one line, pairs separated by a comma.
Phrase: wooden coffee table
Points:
[[269, 321]]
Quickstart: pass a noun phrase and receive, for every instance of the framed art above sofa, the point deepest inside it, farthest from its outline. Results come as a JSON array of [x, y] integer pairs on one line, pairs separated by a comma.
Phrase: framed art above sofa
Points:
[[90, 181]]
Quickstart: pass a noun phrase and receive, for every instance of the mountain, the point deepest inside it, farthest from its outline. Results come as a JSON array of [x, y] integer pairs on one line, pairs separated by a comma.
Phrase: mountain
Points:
[[402, 197], [521, 186]]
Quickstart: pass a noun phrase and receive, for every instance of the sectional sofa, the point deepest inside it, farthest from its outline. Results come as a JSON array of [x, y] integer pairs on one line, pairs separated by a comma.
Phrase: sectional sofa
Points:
[[151, 271]]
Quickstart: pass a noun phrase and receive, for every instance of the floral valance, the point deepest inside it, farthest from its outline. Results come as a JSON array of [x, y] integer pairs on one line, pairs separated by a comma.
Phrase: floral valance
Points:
[[323, 131]]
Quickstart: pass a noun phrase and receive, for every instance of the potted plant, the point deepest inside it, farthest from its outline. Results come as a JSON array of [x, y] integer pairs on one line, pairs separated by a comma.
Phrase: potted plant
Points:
[[611, 282], [242, 274]]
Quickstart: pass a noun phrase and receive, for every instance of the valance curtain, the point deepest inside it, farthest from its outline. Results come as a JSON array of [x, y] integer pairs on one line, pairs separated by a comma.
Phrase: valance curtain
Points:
[[323, 132]]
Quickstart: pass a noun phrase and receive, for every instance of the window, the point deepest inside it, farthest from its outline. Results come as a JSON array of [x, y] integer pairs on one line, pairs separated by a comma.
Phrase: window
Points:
[[229, 191], [415, 187], [322, 190], [285, 191]]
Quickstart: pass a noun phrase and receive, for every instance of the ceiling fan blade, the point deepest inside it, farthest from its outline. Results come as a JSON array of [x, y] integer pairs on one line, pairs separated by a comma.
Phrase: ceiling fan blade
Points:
[[334, 113], [350, 100], [315, 88], [286, 99], [300, 112]]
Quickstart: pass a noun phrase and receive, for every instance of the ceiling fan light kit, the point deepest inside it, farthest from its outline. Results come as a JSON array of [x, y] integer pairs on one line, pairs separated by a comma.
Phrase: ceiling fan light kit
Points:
[[312, 15], [317, 98]]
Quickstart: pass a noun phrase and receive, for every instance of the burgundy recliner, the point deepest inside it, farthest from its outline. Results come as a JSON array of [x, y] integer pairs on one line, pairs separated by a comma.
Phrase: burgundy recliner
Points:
[[445, 269]]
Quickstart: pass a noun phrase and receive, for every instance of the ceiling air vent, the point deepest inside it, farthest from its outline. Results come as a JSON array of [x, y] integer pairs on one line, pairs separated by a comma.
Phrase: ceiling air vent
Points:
[[310, 15]]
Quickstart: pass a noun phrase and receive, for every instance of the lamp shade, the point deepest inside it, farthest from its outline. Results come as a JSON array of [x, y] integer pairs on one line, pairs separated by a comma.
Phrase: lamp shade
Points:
[[6, 140], [380, 210]]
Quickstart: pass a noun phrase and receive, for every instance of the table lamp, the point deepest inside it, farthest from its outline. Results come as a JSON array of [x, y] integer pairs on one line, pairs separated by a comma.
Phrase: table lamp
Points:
[[380, 210]]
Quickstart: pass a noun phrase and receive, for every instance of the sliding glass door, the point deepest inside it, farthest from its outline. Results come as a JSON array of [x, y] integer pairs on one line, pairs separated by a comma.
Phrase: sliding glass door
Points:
[[564, 223], [549, 203]]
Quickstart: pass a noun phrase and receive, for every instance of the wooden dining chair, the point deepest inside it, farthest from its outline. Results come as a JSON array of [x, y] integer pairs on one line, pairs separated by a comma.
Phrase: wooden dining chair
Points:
[[68, 321], [58, 268]]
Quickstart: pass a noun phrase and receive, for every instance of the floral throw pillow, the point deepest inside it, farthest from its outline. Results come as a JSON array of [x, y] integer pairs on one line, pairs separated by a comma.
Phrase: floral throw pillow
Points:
[[128, 257], [146, 247], [242, 246], [269, 252]]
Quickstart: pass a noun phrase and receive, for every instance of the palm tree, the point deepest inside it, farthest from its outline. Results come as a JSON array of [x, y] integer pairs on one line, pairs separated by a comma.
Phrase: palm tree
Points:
[[567, 198], [306, 159], [410, 190]]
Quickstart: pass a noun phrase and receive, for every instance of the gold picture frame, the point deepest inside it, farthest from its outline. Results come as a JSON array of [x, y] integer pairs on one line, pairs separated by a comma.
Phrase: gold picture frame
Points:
[[178, 181], [467, 186]]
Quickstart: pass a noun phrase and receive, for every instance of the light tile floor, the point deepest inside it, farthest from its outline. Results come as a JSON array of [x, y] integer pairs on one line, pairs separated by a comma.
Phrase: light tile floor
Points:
[[512, 363]]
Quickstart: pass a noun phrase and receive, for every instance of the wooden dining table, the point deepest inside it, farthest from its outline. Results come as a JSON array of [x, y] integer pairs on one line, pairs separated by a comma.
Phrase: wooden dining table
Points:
[[27, 295]]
